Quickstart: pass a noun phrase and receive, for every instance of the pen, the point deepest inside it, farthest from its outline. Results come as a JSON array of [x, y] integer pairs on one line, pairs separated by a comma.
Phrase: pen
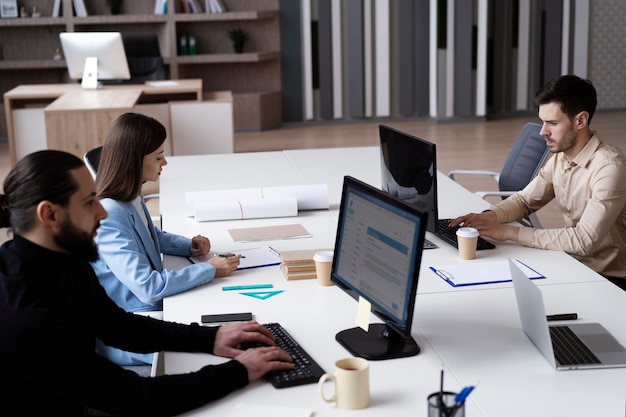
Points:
[[462, 396], [226, 255], [246, 287], [567, 316]]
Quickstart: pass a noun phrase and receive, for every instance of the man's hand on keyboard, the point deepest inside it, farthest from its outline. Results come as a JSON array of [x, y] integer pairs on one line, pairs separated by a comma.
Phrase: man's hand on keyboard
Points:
[[230, 336], [261, 360], [487, 225]]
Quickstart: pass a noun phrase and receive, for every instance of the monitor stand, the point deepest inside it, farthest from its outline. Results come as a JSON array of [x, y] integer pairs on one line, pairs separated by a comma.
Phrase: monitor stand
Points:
[[377, 344], [90, 74]]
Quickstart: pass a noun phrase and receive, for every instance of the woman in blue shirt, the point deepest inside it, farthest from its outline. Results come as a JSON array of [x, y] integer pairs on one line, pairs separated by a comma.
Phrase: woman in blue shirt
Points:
[[129, 245]]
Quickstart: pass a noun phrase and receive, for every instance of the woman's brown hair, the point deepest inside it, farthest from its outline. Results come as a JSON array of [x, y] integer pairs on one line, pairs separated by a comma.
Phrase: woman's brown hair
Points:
[[131, 137]]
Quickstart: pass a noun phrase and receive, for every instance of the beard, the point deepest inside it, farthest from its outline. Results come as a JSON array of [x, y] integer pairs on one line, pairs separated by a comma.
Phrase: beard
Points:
[[77, 242], [568, 141]]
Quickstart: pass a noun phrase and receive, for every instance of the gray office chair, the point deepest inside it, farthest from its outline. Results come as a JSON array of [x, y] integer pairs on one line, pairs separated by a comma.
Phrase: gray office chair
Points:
[[527, 156], [92, 160], [144, 58]]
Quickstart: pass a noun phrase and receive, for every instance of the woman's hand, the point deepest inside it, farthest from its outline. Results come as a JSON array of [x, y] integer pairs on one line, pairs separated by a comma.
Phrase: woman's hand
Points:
[[200, 245], [224, 265]]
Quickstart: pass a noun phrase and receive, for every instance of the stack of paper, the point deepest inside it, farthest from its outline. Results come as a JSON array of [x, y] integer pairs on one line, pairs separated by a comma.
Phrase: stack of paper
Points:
[[298, 264]]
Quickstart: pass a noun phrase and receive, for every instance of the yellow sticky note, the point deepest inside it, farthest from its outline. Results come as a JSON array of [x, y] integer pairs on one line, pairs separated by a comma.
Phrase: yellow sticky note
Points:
[[363, 314]]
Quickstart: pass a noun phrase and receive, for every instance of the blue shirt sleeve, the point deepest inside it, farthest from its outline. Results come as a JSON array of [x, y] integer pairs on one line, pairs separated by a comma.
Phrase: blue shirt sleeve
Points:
[[130, 267]]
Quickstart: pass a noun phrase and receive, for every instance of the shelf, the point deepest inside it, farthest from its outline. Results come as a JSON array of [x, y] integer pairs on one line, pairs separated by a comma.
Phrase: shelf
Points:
[[228, 58], [32, 21], [32, 64], [226, 16], [120, 19]]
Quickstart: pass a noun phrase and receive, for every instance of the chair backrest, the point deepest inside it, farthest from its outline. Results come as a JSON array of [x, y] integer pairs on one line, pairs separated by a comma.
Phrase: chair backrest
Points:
[[525, 159], [144, 58], [92, 160]]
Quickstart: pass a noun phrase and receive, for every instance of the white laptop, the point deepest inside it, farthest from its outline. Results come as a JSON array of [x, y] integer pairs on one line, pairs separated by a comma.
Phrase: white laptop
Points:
[[605, 350]]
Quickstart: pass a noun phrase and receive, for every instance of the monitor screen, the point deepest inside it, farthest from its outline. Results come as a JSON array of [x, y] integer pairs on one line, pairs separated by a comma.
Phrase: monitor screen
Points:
[[409, 171], [378, 251], [94, 56]]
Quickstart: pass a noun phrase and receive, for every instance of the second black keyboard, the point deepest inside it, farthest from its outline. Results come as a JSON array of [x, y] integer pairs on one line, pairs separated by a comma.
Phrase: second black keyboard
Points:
[[305, 371], [448, 234]]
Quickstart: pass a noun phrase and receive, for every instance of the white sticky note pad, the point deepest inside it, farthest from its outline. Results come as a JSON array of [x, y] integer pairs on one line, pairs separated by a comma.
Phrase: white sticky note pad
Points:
[[363, 314]]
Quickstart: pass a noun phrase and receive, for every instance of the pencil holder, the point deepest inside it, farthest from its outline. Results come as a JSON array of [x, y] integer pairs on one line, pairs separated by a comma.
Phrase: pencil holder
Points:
[[443, 404]]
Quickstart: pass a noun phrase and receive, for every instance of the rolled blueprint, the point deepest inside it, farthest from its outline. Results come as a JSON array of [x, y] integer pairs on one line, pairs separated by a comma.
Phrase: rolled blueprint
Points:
[[246, 209]]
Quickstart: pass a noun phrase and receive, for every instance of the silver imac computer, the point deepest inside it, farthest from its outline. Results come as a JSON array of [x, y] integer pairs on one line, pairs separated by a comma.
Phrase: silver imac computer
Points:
[[94, 56]]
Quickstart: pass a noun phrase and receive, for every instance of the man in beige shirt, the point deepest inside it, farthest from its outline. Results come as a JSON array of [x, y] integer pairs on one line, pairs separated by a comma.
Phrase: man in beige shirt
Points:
[[585, 177]]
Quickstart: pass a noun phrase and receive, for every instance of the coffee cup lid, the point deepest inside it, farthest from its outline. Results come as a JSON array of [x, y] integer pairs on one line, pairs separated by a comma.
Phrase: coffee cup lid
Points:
[[323, 256], [467, 231]]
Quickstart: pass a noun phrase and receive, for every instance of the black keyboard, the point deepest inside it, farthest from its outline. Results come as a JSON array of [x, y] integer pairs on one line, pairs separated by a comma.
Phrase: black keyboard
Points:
[[569, 349], [305, 370], [448, 234]]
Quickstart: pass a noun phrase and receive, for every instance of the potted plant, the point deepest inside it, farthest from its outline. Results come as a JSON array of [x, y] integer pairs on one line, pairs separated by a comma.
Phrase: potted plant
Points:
[[239, 37], [115, 6]]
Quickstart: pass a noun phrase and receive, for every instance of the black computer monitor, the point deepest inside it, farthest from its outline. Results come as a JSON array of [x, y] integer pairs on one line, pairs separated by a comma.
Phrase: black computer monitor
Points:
[[378, 251], [94, 56], [409, 170]]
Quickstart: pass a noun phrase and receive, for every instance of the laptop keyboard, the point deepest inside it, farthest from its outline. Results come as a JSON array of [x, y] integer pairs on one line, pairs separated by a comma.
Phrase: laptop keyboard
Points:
[[448, 234], [305, 370], [569, 349]]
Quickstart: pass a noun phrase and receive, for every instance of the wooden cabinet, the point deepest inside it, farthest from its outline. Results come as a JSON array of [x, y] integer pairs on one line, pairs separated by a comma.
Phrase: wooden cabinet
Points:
[[28, 45]]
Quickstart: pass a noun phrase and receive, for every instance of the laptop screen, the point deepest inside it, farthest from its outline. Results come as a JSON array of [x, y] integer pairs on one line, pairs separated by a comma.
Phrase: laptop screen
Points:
[[409, 171]]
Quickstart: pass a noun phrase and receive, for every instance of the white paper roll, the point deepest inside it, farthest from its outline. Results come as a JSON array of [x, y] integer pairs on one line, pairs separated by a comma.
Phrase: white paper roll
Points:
[[246, 209]]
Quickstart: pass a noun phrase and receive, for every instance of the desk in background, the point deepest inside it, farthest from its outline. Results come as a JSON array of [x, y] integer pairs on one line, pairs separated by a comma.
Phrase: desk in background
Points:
[[474, 332], [68, 117]]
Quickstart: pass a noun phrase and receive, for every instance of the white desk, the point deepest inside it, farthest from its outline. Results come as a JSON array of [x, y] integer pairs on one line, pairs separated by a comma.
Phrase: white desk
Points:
[[474, 331]]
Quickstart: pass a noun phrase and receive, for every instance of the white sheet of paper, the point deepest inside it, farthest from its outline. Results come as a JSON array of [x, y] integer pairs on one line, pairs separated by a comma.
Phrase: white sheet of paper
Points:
[[251, 258]]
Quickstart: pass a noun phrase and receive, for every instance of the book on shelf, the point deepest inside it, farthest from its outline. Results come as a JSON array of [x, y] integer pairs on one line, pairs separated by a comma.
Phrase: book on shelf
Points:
[[79, 8], [160, 6], [193, 6], [214, 6], [56, 8]]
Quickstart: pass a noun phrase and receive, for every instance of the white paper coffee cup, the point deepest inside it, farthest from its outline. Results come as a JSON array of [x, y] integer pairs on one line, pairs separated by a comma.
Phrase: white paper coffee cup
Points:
[[467, 239], [323, 264]]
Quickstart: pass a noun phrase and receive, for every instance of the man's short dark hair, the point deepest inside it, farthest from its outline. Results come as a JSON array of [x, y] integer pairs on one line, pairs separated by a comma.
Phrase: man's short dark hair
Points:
[[573, 93], [39, 176]]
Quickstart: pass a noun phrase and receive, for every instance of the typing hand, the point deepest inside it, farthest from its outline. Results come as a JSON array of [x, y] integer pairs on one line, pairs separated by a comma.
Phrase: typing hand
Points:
[[230, 337], [261, 360]]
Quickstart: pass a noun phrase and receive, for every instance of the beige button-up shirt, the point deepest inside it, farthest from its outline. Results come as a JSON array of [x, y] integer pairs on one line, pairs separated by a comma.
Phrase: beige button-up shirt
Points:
[[590, 191]]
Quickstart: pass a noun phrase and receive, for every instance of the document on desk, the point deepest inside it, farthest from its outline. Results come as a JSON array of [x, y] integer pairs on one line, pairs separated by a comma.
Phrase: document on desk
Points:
[[248, 410], [481, 272], [254, 234], [250, 258]]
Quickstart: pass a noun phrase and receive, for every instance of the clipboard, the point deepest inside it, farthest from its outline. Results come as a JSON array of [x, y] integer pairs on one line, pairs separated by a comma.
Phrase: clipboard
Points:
[[479, 273], [250, 258]]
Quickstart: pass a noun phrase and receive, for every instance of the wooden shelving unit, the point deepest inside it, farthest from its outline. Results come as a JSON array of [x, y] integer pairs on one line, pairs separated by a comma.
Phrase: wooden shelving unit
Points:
[[27, 47]]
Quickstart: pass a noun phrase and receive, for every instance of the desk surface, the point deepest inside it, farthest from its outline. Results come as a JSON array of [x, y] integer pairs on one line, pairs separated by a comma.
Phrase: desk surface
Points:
[[474, 331]]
